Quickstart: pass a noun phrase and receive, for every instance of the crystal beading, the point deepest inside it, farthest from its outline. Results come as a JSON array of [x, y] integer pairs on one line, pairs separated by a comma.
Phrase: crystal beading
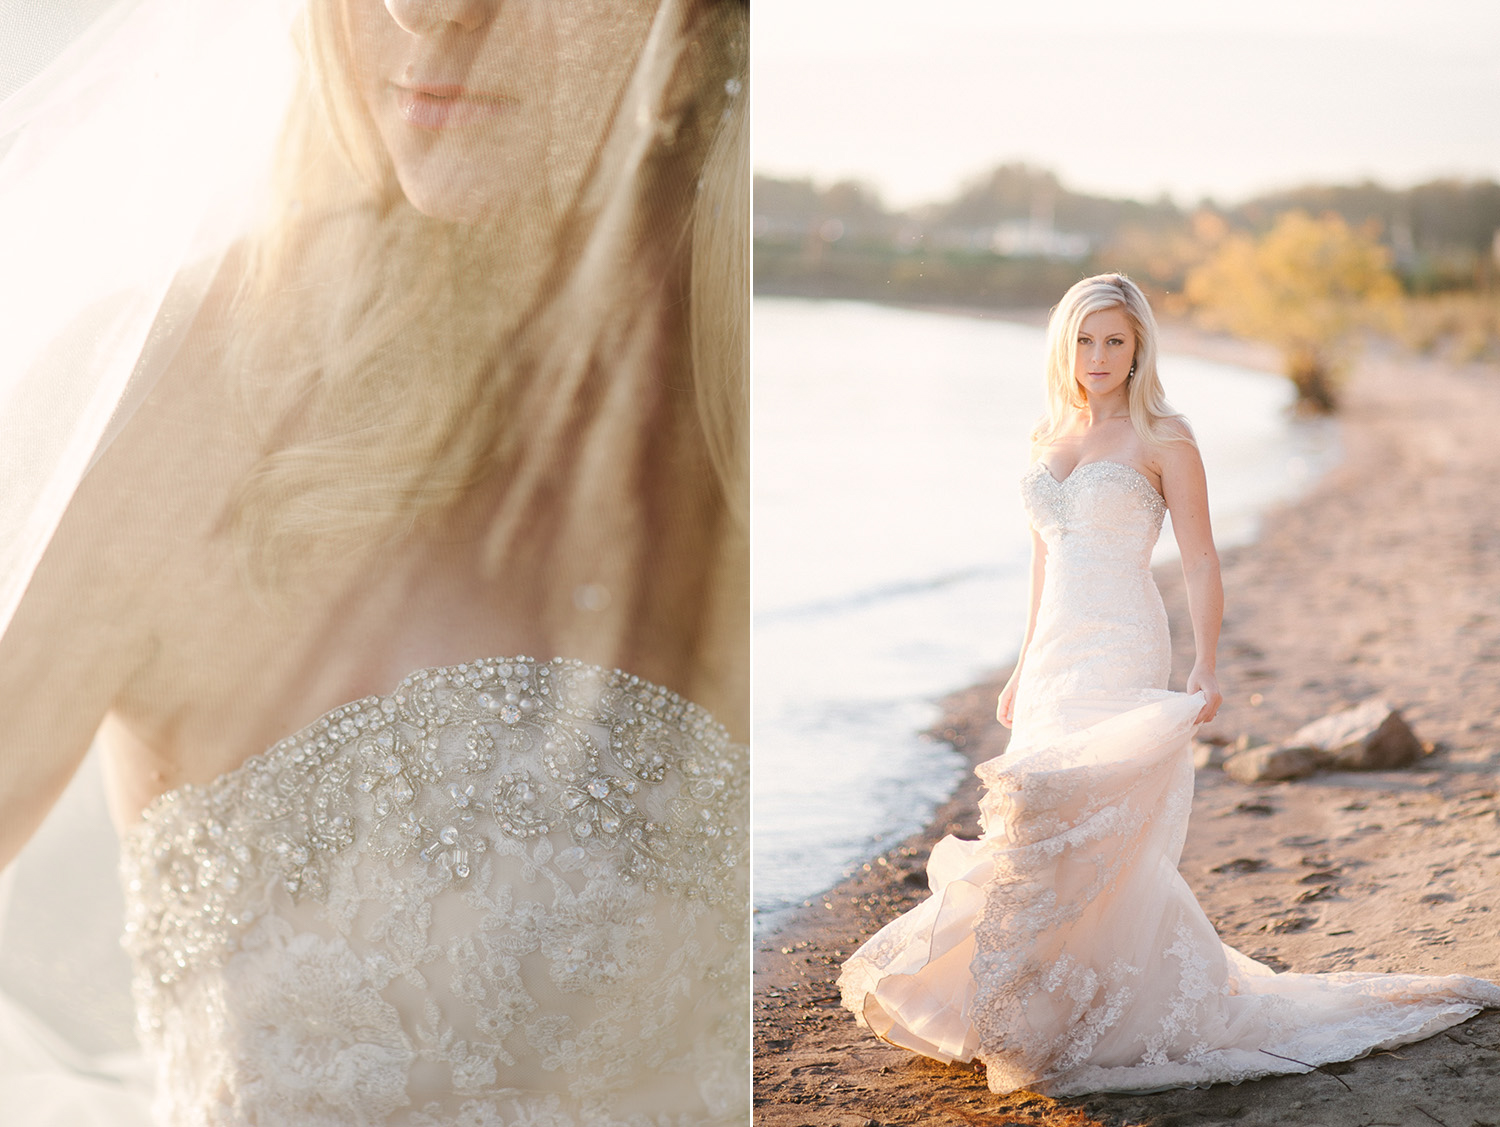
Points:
[[488, 834]]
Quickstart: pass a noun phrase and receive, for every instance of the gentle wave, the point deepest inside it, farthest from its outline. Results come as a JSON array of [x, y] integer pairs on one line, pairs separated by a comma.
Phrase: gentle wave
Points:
[[858, 600]]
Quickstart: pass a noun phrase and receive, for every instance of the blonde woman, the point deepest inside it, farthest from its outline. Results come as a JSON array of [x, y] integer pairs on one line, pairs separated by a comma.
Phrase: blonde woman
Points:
[[448, 435], [1062, 948]]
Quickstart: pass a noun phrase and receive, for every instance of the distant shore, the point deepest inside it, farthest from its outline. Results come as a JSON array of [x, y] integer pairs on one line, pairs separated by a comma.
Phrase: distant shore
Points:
[[1384, 580], [1177, 335]]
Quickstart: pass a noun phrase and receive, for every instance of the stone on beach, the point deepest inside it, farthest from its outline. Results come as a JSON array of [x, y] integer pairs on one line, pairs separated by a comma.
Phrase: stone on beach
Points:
[[1207, 755], [1371, 736], [1271, 763]]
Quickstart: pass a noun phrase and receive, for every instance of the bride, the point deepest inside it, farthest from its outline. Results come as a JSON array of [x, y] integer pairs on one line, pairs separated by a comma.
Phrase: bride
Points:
[[367, 452], [1063, 948]]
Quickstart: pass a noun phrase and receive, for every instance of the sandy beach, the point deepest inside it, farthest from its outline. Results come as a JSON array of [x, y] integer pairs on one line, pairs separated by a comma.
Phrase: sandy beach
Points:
[[1383, 581]]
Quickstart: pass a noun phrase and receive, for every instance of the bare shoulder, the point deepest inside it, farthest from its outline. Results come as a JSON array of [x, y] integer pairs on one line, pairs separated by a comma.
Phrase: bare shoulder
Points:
[[130, 533], [1176, 433], [72, 642], [79, 626], [1177, 449]]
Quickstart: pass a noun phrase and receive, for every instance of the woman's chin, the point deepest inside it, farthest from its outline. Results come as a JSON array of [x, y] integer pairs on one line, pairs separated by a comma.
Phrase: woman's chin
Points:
[[457, 196], [448, 201]]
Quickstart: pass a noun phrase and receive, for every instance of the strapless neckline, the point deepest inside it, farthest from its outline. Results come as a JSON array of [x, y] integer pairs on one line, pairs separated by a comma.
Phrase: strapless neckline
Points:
[[153, 810], [1041, 465], [1124, 471]]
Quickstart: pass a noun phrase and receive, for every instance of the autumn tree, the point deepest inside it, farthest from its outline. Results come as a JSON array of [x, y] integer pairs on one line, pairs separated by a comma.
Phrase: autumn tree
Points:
[[1307, 286]]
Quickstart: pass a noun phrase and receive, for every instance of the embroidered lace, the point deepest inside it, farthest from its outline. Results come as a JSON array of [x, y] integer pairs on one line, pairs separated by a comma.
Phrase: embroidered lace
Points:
[[508, 892]]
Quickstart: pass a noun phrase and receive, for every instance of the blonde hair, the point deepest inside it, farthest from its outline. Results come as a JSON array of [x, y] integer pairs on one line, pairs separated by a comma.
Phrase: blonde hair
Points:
[[408, 358], [1152, 416]]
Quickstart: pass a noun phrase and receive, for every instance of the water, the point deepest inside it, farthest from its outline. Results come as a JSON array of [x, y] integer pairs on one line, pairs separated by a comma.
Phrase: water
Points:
[[891, 552]]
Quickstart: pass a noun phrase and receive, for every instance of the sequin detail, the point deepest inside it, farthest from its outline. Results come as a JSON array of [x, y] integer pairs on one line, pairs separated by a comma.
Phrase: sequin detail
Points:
[[429, 871], [1127, 477]]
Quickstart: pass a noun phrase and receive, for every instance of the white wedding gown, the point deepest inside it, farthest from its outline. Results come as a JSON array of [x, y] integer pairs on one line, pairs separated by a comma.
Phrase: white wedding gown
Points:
[[507, 893], [1063, 948]]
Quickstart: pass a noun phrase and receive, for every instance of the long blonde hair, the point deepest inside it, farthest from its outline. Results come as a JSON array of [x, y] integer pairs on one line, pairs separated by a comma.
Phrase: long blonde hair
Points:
[[408, 358], [1152, 416]]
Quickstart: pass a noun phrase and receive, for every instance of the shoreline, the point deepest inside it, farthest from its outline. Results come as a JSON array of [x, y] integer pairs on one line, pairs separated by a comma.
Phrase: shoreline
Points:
[[1393, 559]]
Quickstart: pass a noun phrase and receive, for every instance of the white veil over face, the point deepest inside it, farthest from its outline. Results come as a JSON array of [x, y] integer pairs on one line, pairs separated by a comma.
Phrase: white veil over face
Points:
[[140, 174]]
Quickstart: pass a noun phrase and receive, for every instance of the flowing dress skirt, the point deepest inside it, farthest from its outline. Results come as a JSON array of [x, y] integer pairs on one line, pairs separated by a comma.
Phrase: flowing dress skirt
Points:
[[1063, 947]]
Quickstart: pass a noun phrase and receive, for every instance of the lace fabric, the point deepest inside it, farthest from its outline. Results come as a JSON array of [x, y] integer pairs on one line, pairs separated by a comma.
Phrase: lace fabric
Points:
[[1063, 948], [508, 892]]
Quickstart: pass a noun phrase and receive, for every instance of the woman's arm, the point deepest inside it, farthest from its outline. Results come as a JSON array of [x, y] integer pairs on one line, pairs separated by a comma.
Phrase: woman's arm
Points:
[[74, 640], [1005, 711], [1186, 491], [55, 687]]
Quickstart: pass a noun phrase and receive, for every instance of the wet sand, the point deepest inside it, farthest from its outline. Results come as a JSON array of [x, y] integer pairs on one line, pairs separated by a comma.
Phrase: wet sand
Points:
[[1384, 580]]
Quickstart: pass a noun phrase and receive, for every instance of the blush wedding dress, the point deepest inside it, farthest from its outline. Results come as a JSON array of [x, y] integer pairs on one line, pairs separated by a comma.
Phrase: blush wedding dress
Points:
[[509, 892], [1063, 948]]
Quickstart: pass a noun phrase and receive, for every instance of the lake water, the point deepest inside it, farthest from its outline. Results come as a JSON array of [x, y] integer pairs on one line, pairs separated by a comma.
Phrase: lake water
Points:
[[891, 552]]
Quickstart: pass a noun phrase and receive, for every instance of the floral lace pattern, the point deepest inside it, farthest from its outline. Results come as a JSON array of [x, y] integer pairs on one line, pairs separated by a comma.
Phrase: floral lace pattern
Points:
[[1101, 626], [1090, 966], [508, 892]]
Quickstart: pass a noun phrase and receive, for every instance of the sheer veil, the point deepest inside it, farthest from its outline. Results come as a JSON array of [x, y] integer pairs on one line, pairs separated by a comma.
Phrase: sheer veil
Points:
[[134, 159], [132, 171]]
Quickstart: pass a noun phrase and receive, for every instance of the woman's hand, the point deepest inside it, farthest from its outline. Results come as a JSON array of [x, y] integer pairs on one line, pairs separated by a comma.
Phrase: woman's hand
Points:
[[1005, 711], [1204, 681]]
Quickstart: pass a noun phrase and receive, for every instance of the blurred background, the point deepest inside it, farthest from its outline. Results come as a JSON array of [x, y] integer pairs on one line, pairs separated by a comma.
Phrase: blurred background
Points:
[[1290, 182], [986, 153]]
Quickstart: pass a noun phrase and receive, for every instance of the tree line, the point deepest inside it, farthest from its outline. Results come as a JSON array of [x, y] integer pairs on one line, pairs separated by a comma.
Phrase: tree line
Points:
[[1308, 269]]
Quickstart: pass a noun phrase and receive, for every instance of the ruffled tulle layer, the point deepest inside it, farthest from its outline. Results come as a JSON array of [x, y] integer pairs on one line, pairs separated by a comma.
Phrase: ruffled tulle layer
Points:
[[1064, 949]]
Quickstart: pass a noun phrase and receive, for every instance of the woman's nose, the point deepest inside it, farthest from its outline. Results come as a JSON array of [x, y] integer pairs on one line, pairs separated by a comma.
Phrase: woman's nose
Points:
[[423, 17]]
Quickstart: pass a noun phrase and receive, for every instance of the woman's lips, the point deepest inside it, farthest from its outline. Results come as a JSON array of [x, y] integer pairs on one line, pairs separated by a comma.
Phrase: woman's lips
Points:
[[437, 107]]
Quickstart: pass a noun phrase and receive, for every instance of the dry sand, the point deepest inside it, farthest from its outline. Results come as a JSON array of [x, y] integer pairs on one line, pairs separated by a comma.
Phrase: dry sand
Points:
[[1384, 580]]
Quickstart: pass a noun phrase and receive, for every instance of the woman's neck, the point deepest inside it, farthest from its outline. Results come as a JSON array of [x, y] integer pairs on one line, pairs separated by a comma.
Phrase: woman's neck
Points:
[[1103, 408]]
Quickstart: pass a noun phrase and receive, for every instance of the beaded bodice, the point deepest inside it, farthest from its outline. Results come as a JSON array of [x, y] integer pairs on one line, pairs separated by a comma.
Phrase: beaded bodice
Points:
[[1101, 626], [1101, 514], [508, 892]]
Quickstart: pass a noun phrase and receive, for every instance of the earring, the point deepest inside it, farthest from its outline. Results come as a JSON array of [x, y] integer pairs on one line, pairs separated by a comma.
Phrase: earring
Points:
[[1130, 374]]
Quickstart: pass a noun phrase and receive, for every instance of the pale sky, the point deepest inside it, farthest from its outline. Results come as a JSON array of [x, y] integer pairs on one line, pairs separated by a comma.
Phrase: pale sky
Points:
[[1123, 97], [1192, 97]]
